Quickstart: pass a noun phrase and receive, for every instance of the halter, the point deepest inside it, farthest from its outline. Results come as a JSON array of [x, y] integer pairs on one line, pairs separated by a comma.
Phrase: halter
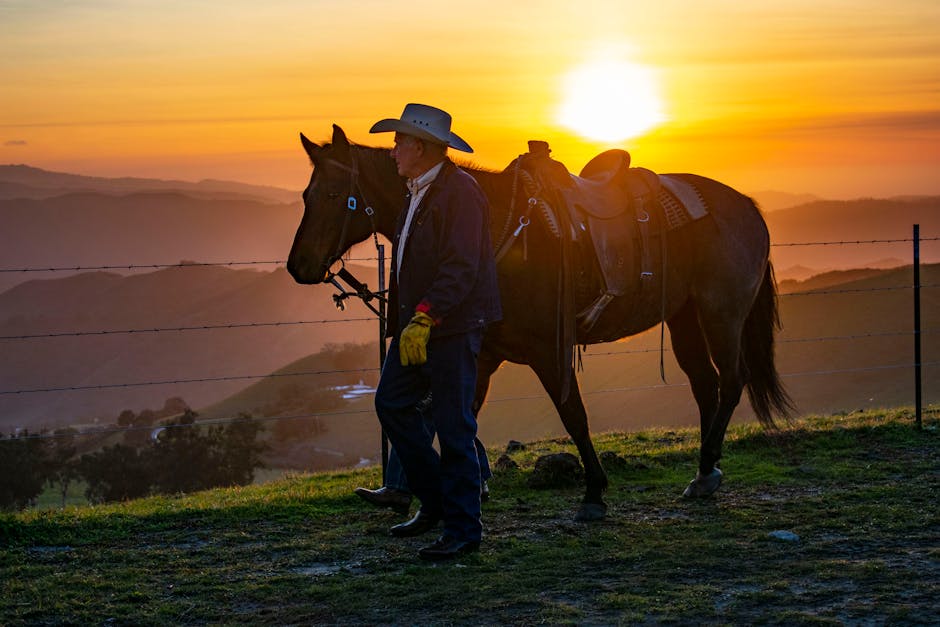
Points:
[[362, 290], [352, 204]]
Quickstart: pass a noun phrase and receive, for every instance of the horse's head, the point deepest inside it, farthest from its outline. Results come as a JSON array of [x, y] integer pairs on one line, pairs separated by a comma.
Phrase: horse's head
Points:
[[354, 191]]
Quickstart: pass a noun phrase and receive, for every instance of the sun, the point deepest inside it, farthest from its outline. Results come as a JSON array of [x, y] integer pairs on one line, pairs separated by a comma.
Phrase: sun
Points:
[[610, 100]]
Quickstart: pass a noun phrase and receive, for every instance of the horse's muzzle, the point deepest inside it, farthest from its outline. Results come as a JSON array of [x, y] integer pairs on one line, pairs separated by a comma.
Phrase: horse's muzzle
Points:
[[307, 273]]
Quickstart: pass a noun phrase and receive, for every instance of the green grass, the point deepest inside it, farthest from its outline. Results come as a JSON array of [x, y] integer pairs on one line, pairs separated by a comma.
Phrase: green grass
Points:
[[859, 491]]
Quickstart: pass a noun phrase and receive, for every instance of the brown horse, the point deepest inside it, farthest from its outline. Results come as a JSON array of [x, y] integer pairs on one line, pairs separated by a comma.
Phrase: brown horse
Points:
[[713, 287]]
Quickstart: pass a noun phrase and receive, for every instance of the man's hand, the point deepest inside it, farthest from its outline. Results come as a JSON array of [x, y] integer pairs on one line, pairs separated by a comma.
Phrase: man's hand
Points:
[[413, 344]]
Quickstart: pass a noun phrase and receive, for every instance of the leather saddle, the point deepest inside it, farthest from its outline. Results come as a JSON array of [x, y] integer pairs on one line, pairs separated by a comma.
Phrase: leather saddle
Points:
[[610, 208], [606, 185]]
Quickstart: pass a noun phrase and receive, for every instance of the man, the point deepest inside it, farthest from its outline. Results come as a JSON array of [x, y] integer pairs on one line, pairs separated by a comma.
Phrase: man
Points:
[[442, 295]]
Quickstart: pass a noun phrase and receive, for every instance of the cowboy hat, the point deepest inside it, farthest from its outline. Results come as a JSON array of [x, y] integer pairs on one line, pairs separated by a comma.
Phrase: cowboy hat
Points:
[[426, 122]]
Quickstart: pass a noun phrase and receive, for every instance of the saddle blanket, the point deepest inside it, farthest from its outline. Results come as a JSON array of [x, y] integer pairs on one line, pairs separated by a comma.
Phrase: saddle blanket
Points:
[[681, 201]]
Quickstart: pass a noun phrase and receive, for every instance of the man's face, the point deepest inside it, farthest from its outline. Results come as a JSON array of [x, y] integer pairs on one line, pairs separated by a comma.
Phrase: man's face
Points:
[[406, 153]]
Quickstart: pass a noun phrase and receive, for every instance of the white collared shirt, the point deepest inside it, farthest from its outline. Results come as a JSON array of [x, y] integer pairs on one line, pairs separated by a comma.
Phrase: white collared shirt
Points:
[[418, 188]]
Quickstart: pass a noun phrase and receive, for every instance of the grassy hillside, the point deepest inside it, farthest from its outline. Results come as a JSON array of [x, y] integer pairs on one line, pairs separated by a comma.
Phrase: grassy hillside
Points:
[[833, 520]]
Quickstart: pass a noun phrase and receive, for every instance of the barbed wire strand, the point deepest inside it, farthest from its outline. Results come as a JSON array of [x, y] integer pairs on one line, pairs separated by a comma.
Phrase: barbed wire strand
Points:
[[109, 386], [860, 241], [281, 262], [586, 353], [204, 327], [241, 325], [857, 290], [163, 266], [504, 399]]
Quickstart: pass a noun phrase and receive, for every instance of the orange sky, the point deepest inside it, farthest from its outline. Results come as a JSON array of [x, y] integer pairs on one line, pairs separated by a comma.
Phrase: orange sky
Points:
[[830, 97]]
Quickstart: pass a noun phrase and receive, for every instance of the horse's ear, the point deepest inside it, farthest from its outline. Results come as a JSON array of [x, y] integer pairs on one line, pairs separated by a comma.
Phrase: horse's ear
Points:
[[340, 144], [339, 137], [312, 149]]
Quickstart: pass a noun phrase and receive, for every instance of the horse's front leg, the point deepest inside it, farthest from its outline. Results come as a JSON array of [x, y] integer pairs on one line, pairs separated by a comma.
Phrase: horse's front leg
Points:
[[574, 417]]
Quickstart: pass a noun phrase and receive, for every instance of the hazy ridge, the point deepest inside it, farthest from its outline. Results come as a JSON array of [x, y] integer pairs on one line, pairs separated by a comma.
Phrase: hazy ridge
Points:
[[23, 181], [176, 297]]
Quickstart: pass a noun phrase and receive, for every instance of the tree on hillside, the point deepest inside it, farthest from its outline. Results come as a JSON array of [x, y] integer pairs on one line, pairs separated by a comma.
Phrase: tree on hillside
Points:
[[62, 467], [180, 460], [184, 459], [126, 418], [115, 473], [172, 406], [138, 426], [240, 451], [23, 470]]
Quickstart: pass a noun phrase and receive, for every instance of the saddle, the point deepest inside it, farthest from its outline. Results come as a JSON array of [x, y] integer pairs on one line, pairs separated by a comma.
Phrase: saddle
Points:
[[613, 211]]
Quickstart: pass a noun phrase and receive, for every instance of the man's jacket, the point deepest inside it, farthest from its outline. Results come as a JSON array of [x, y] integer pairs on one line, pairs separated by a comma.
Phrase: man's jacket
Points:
[[447, 269]]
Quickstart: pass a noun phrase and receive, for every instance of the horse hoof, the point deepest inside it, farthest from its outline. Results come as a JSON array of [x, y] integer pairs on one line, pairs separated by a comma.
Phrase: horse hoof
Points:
[[703, 485], [591, 511]]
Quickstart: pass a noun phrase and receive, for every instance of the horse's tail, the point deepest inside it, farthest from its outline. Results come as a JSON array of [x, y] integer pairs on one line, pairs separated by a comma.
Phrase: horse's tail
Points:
[[764, 389]]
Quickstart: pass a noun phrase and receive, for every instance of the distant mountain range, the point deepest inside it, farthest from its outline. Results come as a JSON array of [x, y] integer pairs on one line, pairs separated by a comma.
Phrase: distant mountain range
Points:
[[774, 201], [23, 181], [83, 221], [54, 220]]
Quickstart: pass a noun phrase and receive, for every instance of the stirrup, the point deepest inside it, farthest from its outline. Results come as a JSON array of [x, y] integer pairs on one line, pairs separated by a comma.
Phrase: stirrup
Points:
[[588, 318]]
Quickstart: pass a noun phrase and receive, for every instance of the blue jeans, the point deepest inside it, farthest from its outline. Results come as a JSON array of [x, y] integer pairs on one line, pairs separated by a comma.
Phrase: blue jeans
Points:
[[447, 484], [395, 473]]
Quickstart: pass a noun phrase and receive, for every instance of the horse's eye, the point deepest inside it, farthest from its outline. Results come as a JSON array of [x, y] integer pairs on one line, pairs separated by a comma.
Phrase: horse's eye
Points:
[[333, 195]]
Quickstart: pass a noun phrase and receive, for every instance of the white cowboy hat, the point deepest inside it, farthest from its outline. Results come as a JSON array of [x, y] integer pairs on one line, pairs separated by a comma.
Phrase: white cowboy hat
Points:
[[426, 122]]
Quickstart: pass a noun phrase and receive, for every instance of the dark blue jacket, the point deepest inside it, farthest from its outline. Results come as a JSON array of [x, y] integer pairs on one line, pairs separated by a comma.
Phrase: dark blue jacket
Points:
[[448, 269]]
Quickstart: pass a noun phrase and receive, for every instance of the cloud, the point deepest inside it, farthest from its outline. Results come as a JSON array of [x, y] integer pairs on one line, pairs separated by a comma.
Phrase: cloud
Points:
[[894, 123], [15, 142]]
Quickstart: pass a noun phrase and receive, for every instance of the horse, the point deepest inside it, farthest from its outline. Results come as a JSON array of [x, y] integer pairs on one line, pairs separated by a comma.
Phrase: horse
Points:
[[715, 292]]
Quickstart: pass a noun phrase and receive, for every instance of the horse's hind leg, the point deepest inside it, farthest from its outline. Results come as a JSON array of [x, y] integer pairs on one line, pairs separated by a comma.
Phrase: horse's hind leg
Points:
[[574, 417], [691, 351], [723, 335]]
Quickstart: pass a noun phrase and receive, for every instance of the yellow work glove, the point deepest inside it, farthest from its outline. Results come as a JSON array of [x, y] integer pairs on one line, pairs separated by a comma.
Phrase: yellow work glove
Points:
[[413, 344]]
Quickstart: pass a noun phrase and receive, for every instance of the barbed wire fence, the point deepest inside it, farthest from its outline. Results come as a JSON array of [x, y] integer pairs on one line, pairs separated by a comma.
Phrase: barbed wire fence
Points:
[[916, 333]]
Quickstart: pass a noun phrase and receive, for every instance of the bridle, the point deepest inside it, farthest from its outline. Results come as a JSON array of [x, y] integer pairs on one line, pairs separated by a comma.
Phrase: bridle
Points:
[[362, 290], [352, 205]]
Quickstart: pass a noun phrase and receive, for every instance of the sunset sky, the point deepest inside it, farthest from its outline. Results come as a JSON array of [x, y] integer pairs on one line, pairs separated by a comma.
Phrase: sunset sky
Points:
[[833, 97]]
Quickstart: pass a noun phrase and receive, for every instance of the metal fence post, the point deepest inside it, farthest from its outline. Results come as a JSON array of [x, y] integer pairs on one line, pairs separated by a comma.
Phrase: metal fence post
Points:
[[382, 314], [918, 407]]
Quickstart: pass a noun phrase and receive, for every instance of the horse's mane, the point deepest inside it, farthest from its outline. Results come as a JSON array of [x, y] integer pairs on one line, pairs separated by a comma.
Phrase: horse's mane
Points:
[[376, 156], [377, 159]]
